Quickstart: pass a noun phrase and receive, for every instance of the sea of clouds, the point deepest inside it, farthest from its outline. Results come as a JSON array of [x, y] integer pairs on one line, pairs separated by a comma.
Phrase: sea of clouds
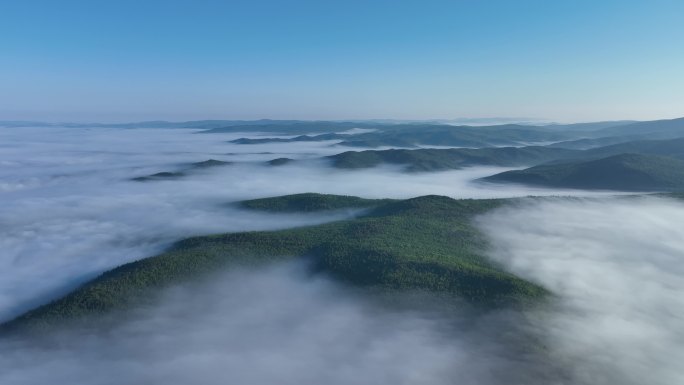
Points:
[[70, 211], [275, 325], [617, 267]]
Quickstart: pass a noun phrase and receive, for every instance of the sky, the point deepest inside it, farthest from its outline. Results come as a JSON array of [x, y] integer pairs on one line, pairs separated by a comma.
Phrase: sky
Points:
[[566, 61]]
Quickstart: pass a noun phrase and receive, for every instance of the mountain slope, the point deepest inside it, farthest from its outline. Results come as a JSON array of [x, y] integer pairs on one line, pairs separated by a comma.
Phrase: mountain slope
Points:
[[300, 138], [422, 243], [294, 127], [453, 158], [590, 143], [412, 135], [190, 168], [670, 127], [625, 172], [310, 202], [669, 147], [457, 136]]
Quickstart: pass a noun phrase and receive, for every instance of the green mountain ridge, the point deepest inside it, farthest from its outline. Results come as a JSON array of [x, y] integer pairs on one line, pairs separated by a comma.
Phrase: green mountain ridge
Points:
[[663, 147], [673, 127], [192, 167], [623, 172], [413, 135], [310, 202], [300, 138], [425, 243], [447, 159], [454, 158]]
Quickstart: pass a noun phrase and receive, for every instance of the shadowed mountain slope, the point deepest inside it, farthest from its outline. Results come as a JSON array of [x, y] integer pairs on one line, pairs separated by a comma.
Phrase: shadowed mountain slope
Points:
[[624, 172]]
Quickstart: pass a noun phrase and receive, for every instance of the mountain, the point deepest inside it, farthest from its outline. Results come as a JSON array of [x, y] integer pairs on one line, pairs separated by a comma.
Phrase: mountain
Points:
[[458, 136], [300, 138], [294, 127], [411, 135], [192, 167], [669, 147], [310, 202], [591, 126], [452, 158], [280, 161], [670, 127], [425, 243], [416, 133], [624, 172], [589, 143]]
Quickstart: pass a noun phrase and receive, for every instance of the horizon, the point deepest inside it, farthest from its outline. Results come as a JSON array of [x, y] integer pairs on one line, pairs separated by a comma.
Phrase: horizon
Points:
[[463, 121]]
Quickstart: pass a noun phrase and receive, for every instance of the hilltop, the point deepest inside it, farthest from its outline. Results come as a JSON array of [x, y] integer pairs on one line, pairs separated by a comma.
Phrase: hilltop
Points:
[[187, 169], [452, 158], [425, 243], [624, 172]]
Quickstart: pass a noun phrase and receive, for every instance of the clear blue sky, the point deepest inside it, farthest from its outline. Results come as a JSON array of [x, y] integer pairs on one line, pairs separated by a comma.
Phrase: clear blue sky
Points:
[[119, 60]]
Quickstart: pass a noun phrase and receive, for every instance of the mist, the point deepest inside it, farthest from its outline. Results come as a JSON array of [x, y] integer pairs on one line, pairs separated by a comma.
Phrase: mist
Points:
[[617, 267], [71, 211], [277, 325]]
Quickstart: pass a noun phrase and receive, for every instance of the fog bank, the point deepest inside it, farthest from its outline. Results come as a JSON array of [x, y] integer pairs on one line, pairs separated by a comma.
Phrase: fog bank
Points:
[[618, 269], [274, 326], [70, 210]]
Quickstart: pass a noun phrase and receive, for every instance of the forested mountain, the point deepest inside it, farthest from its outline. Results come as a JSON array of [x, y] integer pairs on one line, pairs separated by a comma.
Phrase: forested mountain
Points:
[[670, 127], [310, 202], [413, 135], [423, 243], [185, 170], [444, 159], [667, 147], [624, 172]]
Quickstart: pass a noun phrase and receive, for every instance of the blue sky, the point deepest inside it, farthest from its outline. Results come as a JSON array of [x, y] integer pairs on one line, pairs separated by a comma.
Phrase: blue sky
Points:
[[571, 60]]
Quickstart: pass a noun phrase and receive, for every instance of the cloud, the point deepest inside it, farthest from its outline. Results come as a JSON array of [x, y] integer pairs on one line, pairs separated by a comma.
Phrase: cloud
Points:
[[617, 266], [276, 325], [70, 211]]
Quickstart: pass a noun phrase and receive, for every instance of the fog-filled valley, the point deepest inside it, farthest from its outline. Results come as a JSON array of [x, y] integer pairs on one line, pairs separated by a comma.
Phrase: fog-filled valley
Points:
[[341, 192], [78, 201], [70, 209]]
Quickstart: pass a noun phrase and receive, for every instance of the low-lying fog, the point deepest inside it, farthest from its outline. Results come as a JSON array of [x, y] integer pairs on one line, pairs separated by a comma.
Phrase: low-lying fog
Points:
[[70, 211], [270, 326], [618, 269]]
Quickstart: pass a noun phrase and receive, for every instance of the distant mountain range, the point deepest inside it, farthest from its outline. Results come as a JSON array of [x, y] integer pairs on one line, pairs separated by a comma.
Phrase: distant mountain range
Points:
[[665, 127], [187, 169], [623, 172], [572, 136], [643, 165], [640, 155], [414, 134], [428, 159]]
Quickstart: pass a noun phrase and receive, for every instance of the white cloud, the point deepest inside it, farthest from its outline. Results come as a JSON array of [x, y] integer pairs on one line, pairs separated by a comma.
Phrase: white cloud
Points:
[[70, 211], [274, 325], [618, 268]]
